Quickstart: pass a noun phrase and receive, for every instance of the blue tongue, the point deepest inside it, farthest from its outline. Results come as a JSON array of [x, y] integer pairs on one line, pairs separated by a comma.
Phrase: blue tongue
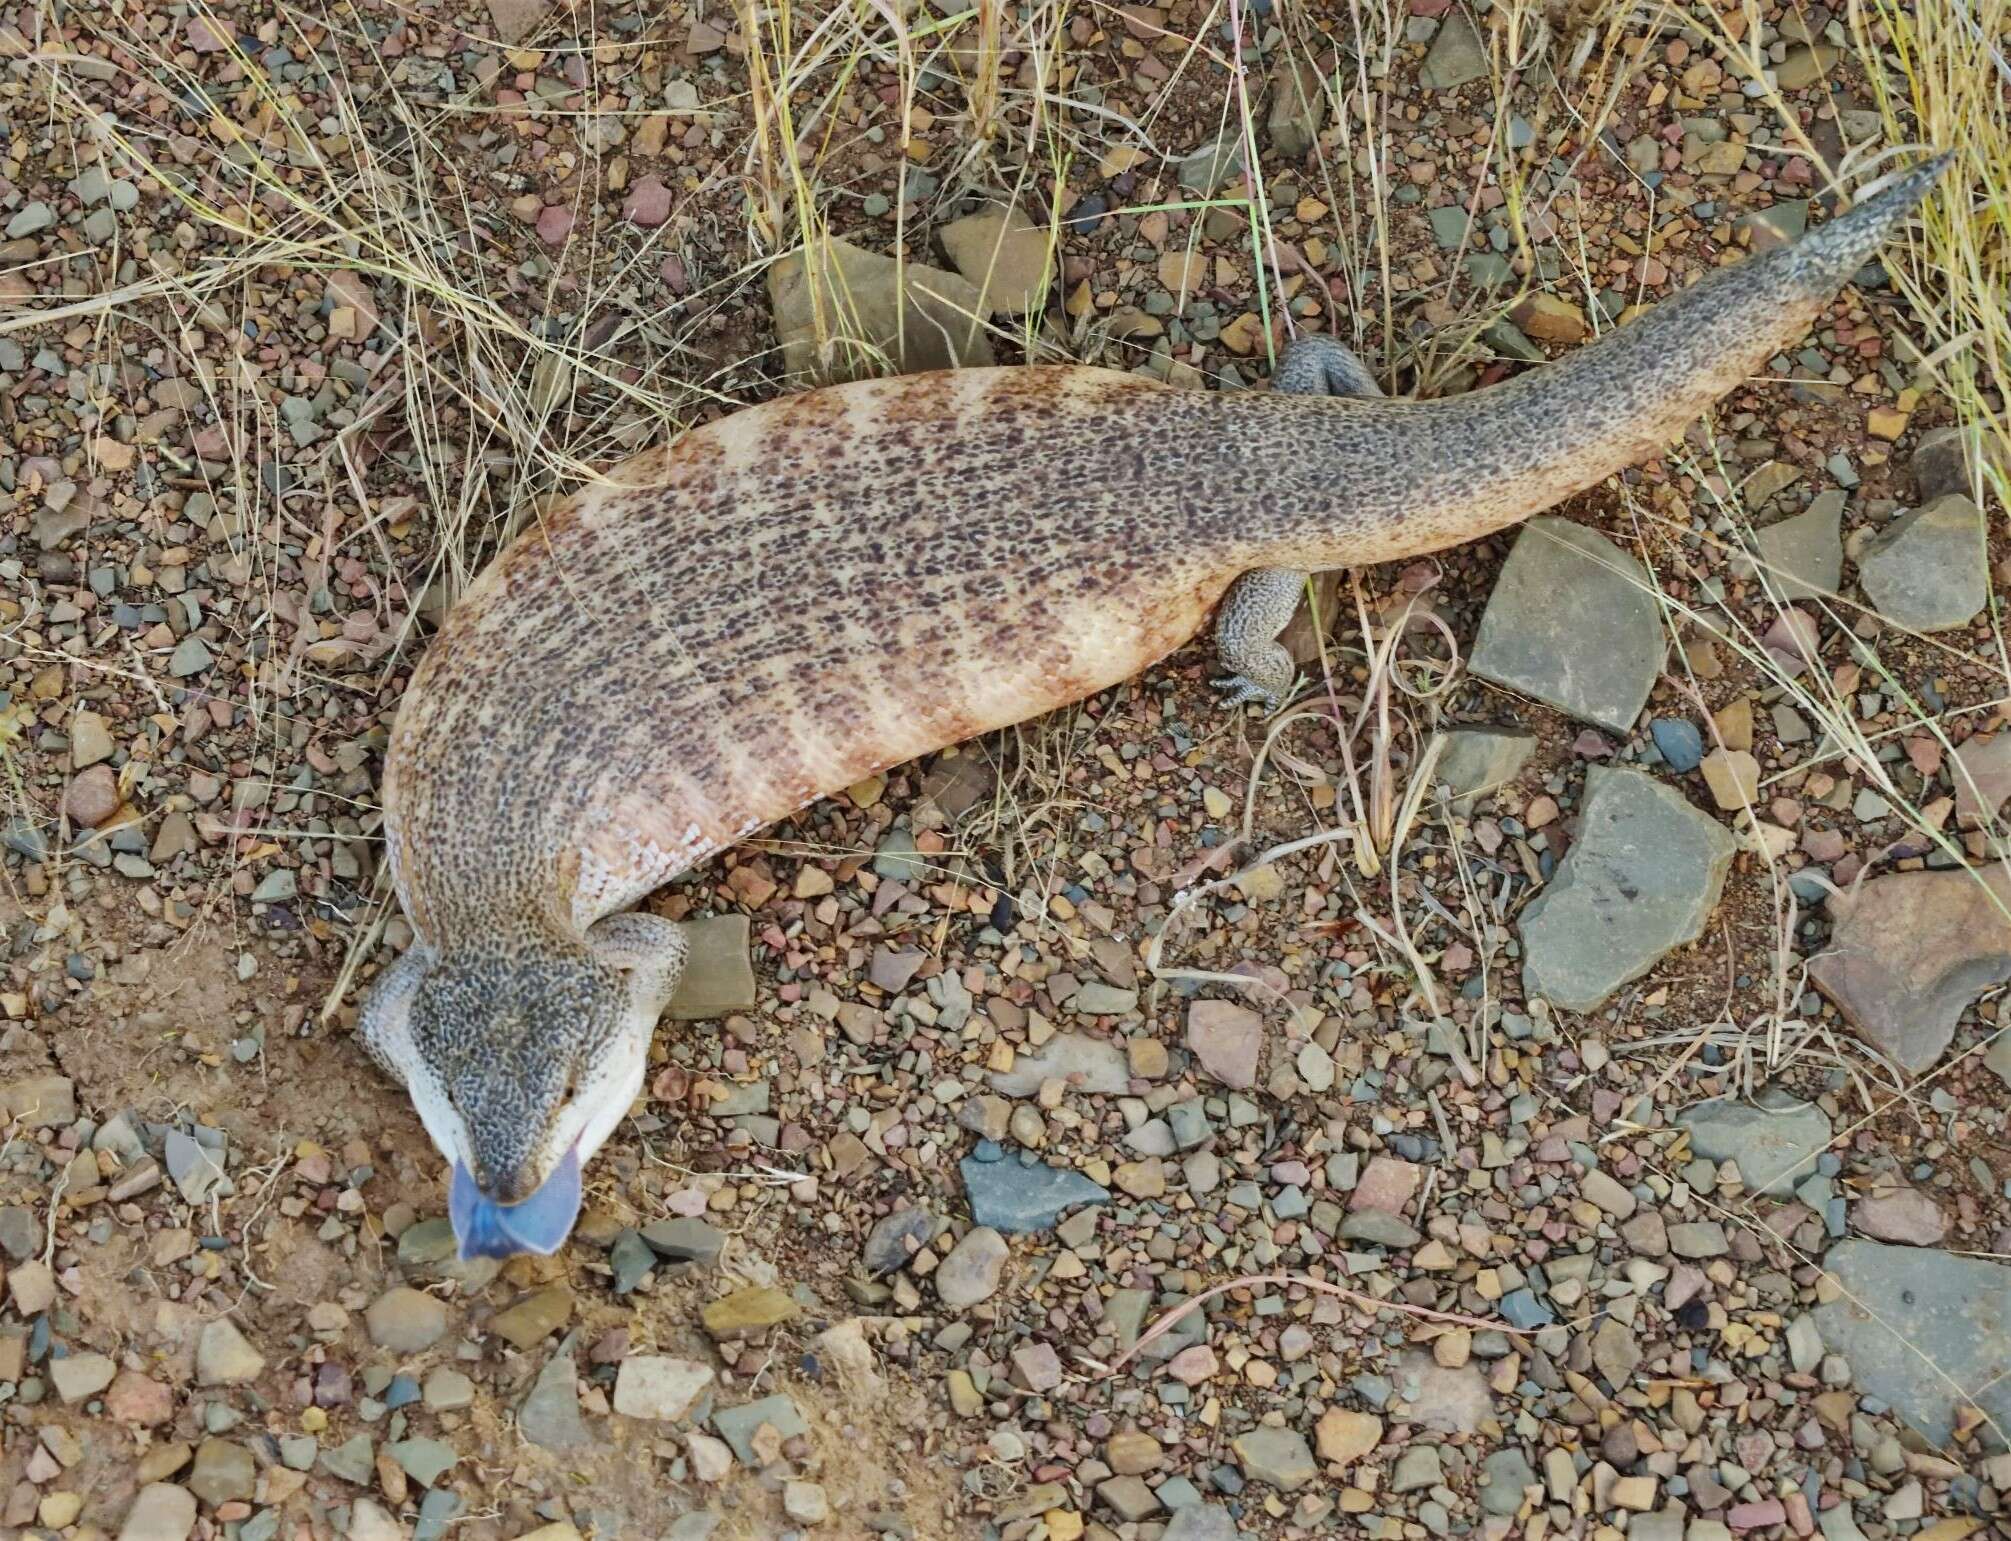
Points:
[[541, 1223]]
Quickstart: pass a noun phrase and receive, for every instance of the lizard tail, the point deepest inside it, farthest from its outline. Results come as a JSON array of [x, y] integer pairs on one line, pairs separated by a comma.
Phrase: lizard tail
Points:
[[1827, 258], [1383, 479]]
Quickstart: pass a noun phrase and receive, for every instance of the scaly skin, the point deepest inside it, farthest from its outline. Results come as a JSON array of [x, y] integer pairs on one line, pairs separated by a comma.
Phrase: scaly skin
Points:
[[807, 591]]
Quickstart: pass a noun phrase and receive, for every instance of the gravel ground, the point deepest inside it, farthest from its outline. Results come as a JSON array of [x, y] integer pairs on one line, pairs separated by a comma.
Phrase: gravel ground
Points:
[[1615, 1143]]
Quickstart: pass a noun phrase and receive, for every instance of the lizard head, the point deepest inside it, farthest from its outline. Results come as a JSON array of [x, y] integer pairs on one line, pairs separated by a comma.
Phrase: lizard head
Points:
[[521, 1062]]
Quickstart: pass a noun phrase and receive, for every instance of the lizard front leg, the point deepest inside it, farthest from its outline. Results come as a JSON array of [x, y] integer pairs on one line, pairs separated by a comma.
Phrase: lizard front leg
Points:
[[648, 949], [1260, 603], [383, 1023]]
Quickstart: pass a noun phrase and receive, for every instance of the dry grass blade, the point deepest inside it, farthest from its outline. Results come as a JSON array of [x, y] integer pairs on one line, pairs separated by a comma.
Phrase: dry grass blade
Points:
[[1369, 1305]]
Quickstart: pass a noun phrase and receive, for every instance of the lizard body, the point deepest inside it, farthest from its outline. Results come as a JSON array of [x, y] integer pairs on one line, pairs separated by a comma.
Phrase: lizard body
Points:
[[786, 600]]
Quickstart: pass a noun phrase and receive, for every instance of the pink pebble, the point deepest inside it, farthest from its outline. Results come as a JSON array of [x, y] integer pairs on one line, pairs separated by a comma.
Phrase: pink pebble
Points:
[[647, 204], [1191, 1366], [555, 223], [1754, 1516]]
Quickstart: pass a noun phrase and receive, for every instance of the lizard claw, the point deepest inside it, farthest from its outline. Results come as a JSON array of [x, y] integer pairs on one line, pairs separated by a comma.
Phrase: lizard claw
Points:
[[1240, 689]]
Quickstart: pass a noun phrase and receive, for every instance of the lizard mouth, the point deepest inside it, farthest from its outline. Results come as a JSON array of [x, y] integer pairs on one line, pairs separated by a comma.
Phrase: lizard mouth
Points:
[[541, 1223]]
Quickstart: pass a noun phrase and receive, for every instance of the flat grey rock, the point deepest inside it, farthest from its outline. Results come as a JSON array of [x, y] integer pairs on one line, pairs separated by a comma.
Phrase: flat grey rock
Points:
[[1698, 1239], [632, 1259], [354, 1460], [223, 1471], [1573, 623], [1616, 1352], [49, 1101], [1097, 999], [1451, 1401], [1475, 761], [190, 657], [1420, 1466], [738, 1425], [405, 1320], [1379, 1228], [31, 220], [426, 1243], [718, 977], [839, 314], [224, 1357], [1154, 1137], [1668, 1525], [1804, 1345], [1929, 571], [685, 1240], [1923, 1330], [659, 1387], [1775, 1139], [1206, 170], [1097, 1062], [899, 858], [1998, 1059], [1005, 254], [425, 1461], [1642, 879], [1503, 1476], [971, 1272], [1202, 1522], [161, 1512], [1943, 462], [1298, 106], [1802, 557], [196, 1172], [1020, 1195], [1458, 54], [550, 1416], [887, 1243], [79, 1377], [1278, 1456], [20, 1231]]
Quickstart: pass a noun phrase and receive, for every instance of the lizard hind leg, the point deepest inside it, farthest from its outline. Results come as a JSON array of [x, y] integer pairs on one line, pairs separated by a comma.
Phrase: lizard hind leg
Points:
[[1260, 603], [1258, 606]]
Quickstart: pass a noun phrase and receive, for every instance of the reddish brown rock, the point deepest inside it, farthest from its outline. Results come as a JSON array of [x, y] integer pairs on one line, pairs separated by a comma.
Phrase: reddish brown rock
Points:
[[1550, 318], [647, 204], [352, 298], [1910, 951], [554, 224], [515, 20], [1386, 1184], [1982, 776], [1228, 1039], [1193, 1365], [1902, 1214], [136, 1398], [92, 798]]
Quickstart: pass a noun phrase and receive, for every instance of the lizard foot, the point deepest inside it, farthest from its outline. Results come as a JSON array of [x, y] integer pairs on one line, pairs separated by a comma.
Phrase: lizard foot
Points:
[[1239, 689]]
